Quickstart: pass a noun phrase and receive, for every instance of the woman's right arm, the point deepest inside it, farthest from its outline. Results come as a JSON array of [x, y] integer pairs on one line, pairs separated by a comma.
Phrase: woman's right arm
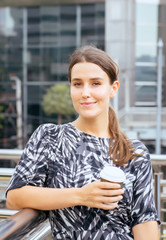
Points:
[[33, 168], [96, 194]]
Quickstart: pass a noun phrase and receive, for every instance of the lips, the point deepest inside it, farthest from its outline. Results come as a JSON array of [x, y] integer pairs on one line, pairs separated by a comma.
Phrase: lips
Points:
[[87, 104]]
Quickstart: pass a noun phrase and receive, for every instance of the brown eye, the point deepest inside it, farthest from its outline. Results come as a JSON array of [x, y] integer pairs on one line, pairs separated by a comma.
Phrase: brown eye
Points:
[[96, 83], [77, 84]]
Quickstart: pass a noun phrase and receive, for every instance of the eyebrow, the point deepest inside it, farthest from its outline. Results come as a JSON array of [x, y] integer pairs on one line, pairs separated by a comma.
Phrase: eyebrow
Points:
[[92, 79]]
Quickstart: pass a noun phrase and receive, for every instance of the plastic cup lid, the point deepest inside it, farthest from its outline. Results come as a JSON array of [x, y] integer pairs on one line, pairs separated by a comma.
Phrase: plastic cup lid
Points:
[[113, 174]]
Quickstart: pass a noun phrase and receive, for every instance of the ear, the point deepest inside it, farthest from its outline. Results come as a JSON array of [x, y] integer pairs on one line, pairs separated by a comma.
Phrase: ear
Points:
[[115, 87]]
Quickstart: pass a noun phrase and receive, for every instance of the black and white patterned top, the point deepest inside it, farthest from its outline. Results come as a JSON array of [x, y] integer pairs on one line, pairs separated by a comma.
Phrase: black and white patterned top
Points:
[[64, 157]]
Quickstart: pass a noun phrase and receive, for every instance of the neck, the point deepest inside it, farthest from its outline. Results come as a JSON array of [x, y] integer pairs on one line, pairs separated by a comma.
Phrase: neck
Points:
[[93, 127]]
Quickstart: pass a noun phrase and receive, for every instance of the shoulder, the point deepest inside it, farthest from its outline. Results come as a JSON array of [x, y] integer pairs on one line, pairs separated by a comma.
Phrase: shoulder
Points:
[[139, 146], [49, 129], [143, 157], [44, 131], [45, 136], [53, 132]]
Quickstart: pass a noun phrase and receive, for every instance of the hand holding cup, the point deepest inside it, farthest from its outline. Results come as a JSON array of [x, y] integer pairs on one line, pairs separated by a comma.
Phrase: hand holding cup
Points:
[[105, 192], [112, 174]]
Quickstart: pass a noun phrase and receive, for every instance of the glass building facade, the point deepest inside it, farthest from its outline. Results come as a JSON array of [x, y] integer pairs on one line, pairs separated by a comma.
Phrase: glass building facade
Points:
[[150, 26], [35, 44], [36, 41]]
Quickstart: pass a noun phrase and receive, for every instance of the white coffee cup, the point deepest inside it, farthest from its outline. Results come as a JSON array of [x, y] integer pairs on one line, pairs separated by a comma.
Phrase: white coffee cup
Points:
[[112, 174]]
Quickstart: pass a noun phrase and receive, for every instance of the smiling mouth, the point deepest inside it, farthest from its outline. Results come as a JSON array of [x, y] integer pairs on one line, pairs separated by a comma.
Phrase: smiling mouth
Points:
[[88, 104]]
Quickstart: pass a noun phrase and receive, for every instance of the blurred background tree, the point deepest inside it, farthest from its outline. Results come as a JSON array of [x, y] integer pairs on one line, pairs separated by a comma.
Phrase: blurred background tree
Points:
[[57, 100]]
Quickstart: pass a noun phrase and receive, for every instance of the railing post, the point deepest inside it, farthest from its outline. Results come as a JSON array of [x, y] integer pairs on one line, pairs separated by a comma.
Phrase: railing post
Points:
[[157, 192], [159, 96]]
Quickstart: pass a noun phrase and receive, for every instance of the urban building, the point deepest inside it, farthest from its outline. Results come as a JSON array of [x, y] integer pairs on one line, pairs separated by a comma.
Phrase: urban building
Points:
[[37, 37]]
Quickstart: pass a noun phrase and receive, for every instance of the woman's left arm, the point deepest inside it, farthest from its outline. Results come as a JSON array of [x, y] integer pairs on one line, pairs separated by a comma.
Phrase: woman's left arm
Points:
[[146, 231], [144, 219]]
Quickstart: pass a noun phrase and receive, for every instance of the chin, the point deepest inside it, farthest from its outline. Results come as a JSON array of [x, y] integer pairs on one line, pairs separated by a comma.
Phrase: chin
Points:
[[89, 116]]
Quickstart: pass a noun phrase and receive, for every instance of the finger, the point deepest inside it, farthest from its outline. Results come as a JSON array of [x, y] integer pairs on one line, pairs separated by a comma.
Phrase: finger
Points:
[[109, 185], [112, 199], [112, 192], [109, 192], [108, 200], [106, 206]]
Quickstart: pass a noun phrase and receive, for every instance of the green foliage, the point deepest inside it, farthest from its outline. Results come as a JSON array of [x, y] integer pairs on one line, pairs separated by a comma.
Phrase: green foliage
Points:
[[57, 100]]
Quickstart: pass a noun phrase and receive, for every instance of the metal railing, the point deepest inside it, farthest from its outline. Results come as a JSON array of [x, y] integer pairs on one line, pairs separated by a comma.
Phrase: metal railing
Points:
[[158, 159], [26, 224], [20, 224], [10, 154]]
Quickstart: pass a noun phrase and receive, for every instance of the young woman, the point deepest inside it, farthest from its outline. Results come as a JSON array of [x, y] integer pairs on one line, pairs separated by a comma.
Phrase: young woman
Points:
[[60, 168]]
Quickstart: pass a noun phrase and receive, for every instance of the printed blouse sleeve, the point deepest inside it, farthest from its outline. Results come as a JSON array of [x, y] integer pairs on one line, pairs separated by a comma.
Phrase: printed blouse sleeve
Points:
[[33, 165], [143, 206]]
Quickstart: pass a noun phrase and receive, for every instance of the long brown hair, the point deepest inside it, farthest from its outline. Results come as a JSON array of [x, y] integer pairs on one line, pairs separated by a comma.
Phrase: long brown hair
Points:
[[120, 149]]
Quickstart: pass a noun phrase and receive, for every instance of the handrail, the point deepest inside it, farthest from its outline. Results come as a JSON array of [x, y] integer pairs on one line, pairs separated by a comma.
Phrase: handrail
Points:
[[18, 225], [5, 213], [6, 172], [42, 232], [158, 159], [10, 154]]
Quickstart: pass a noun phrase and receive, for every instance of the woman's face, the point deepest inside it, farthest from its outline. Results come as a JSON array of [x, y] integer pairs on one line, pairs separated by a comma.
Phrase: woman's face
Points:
[[91, 90]]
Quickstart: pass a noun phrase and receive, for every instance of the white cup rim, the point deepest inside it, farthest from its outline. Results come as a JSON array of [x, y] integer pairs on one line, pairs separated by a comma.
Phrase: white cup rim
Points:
[[112, 174]]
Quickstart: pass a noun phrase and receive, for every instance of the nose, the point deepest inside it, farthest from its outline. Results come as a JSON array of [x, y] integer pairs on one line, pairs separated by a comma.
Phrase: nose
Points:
[[85, 91]]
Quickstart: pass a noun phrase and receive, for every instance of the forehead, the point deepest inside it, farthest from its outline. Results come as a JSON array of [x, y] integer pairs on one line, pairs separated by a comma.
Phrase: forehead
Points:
[[87, 69]]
